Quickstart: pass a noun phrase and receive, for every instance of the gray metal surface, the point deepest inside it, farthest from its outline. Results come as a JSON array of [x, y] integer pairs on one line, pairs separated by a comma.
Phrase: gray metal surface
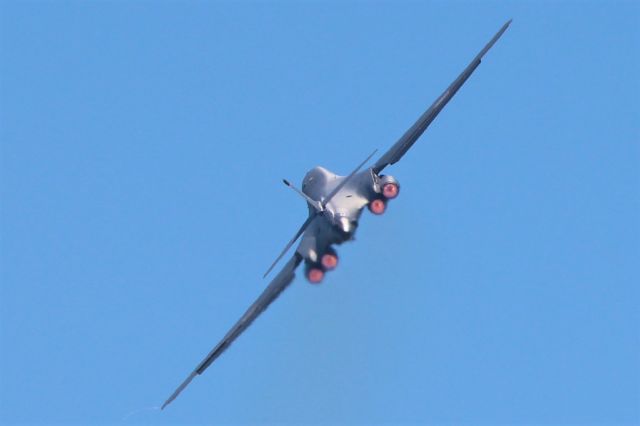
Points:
[[273, 290], [411, 136], [335, 205]]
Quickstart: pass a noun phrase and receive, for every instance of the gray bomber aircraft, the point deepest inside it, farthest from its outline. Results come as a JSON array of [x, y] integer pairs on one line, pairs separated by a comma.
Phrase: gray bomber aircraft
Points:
[[335, 205]]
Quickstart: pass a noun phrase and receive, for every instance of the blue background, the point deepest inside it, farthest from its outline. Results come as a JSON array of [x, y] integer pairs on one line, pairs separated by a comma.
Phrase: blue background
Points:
[[142, 150]]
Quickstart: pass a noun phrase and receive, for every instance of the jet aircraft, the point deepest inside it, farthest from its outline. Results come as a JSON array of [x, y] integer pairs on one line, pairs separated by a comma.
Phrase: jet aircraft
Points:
[[335, 205]]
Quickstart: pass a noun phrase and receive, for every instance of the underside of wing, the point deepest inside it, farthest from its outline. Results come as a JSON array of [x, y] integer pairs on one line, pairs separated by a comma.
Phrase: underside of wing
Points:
[[273, 290], [411, 136]]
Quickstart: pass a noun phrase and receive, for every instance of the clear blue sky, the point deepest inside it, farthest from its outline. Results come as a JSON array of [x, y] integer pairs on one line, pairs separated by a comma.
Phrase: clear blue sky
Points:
[[142, 147]]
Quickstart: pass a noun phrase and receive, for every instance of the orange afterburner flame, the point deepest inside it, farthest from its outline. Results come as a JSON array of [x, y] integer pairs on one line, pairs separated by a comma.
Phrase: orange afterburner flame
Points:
[[377, 206], [390, 190], [329, 261], [315, 275]]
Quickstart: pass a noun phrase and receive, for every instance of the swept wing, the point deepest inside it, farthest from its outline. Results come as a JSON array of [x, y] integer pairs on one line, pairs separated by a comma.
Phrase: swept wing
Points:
[[403, 144], [273, 290]]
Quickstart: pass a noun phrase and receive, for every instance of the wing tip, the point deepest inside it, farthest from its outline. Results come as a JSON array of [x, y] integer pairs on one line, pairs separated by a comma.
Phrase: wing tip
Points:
[[179, 389], [167, 402]]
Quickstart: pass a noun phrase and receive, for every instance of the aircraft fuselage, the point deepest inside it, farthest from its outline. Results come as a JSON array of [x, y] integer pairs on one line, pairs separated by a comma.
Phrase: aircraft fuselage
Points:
[[338, 221]]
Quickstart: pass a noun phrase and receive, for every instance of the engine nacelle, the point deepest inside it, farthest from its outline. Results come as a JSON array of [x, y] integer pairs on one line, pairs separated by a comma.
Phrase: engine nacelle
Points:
[[329, 260], [389, 187], [314, 274], [377, 206]]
